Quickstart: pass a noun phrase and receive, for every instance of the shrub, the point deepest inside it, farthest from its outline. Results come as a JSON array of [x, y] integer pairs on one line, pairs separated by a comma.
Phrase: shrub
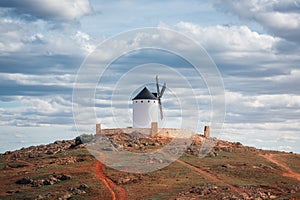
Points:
[[84, 138]]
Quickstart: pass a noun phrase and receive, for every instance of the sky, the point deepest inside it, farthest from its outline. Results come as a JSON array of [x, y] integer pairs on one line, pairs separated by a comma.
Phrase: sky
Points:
[[254, 44]]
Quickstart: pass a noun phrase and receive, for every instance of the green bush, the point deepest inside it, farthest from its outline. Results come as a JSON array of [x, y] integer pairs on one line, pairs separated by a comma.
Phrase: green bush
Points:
[[84, 138]]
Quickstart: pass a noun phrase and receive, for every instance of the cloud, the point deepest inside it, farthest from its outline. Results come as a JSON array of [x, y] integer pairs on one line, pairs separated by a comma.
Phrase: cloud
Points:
[[246, 58], [34, 85], [41, 38], [281, 18], [276, 108], [50, 9], [234, 45], [238, 39], [42, 46], [39, 111]]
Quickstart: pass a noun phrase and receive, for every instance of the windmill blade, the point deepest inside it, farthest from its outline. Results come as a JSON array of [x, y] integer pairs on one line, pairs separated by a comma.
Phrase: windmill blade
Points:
[[157, 86], [163, 89], [160, 108]]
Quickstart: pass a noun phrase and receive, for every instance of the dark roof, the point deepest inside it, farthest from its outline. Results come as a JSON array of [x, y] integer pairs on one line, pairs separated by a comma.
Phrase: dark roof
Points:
[[144, 94], [155, 94]]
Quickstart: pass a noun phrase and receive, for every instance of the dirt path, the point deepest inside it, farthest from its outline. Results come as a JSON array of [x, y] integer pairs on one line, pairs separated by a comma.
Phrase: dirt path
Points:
[[288, 171], [117, 192], [214, 178]]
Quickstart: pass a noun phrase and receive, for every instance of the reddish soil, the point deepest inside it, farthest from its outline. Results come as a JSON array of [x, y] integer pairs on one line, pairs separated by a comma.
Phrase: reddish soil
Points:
[[214, 178], [288, 171], [117, 192], [187, 178]]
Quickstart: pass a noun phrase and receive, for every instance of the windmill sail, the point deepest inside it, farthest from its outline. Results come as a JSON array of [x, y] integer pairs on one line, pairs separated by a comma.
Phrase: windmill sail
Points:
[[159, 95], [157, 86], [163, 89]]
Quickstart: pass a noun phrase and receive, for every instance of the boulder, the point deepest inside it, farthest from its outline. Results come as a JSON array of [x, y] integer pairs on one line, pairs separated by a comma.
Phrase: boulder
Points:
[[63, 177], [84, 187], [25, 180]]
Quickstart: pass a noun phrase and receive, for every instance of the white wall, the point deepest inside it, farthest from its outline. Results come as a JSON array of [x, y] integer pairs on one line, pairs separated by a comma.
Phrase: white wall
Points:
[[144, 112]]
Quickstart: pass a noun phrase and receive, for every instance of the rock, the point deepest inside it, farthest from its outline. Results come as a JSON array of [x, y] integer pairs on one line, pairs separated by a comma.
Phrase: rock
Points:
[[263, 195], [226, 149], [292, 191], [80, 159], [141, 148], [25, 180], [49, 152], [233, 197], [212, 154], [145, 144], [17, 164], [39, 197], [119, 146], [48, 182], [38, 183], [80, 146], [83, 187], [52, 179], [123, 180], [265, 166], [228, 166], [59, 142], [12, 191], [31, 155], [16, 156], [64, 177], [77, 191], [65, 196]]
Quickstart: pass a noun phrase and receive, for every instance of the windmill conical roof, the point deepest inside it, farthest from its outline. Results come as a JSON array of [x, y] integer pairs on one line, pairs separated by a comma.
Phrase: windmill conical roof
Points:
[[144, 94]]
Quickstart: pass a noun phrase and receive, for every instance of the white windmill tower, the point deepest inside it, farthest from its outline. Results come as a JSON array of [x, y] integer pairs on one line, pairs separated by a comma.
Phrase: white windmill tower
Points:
[[146, 105]]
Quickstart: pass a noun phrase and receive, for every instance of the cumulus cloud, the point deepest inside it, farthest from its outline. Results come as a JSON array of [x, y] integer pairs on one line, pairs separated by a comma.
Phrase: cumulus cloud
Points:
[[40, 38], [246, 58], [38, 111], [50, 9], [281, 18], [262, 108], [229, 38], [39, 59]]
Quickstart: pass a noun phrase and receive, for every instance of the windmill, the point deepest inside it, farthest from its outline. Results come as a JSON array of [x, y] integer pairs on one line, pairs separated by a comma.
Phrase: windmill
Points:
[[145, 106], [159, 96]]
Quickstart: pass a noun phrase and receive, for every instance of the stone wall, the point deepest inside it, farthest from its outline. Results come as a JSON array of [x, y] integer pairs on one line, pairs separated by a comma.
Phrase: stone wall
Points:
[[168, 132], [144, 131]]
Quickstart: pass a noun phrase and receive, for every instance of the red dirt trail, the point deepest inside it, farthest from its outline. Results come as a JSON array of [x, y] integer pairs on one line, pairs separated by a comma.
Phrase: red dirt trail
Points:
[[288, 171], [117, 192]]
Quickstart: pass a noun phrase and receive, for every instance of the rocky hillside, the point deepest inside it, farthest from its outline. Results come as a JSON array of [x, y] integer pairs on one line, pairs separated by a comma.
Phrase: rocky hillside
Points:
[[66, 170]]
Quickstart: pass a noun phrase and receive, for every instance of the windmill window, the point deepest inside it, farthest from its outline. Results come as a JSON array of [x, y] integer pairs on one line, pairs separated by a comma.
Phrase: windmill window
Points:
[[154, 101], [135, 101], [148, 101], [141, 101]]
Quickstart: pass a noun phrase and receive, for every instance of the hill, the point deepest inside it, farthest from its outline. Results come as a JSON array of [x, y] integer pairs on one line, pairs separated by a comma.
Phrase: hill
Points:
[[66, 170]]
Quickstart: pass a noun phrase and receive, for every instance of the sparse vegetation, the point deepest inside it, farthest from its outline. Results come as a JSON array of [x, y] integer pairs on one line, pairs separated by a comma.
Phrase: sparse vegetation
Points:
[[232, 171]]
